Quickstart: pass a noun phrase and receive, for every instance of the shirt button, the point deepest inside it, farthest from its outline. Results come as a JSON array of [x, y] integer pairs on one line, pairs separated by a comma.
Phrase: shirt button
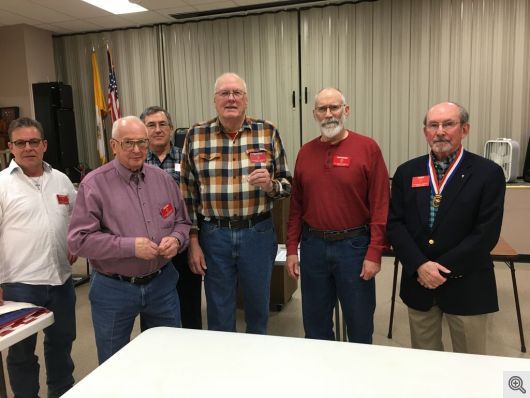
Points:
[[431, 242]]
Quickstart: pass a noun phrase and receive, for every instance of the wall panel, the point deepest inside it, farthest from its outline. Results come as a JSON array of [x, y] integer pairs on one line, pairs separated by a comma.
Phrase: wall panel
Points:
[[394, 58], [260, 48]]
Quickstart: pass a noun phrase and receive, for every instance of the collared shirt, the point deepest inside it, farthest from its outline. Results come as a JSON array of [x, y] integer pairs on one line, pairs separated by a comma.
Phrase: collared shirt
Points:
[[440, 166], [112, 210], [33, 226], [215, 169], [170, 164]]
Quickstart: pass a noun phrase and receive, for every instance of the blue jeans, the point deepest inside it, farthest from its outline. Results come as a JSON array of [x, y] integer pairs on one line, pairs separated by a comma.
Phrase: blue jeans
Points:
[[115, 305], [22, 363], [238, 255], [330, 270]]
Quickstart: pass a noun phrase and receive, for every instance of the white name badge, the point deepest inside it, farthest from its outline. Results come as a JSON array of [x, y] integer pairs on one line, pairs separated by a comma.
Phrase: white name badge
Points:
[[177, 167]]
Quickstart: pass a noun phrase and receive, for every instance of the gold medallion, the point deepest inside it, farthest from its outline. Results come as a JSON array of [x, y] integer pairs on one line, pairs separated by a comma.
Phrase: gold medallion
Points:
[[436, 200]]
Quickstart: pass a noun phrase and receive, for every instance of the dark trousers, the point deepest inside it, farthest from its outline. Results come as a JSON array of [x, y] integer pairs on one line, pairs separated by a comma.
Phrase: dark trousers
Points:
[[189, 288], [22, 363]]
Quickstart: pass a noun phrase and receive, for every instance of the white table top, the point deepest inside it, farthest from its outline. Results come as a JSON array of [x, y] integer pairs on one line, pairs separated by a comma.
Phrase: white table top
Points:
[[22, 331], [169, 362]]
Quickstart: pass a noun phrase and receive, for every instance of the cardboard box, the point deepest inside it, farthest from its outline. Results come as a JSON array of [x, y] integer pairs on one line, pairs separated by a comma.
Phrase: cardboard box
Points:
[[280, 215], [282, 288]]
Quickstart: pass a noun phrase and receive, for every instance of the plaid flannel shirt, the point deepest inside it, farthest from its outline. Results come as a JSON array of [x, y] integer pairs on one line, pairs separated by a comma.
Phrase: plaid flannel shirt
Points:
[[173, 158], [215, 168]]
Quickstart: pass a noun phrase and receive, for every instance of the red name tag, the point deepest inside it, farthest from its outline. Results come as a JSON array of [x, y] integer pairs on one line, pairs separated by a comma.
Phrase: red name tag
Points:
[[166, 210], [420, 181], [63, 199], [258, 157], [341, 161]]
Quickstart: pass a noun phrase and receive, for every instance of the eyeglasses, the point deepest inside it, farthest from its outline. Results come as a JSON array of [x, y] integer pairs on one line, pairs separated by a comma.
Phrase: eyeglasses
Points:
[[21, 144], [152, 125], [447, 125], [332, 108], [225, 94], [128, 145]]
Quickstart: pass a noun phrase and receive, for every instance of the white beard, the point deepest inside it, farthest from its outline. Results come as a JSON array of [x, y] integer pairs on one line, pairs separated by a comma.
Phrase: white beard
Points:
[[331, 128]]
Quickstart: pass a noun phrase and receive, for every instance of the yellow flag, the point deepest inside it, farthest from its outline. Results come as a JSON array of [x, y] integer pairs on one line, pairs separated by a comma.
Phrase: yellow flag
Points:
[[101, 110]]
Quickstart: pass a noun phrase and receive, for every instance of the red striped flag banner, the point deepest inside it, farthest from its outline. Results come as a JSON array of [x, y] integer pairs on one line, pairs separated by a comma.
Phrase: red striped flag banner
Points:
[[112, 100]]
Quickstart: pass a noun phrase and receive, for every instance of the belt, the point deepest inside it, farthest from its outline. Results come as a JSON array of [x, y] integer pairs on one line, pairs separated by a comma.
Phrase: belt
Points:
[[136, 280], [238, 222], [338, 235]]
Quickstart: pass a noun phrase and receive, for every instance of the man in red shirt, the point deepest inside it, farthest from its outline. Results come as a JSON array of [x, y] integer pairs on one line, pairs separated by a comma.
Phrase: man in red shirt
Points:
[[338, 212]]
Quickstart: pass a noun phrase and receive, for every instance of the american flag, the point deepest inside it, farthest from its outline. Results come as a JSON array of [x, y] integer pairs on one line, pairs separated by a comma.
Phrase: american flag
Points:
[[112, 101]]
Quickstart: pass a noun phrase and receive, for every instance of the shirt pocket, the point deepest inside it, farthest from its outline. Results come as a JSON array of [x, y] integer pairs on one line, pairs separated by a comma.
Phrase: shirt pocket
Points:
[[209, 164]]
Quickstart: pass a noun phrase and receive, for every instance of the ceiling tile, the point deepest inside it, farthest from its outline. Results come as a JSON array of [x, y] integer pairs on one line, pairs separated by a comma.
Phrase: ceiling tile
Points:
[[176, 10], [147, 18], [111, 22], [159, 4], [214, 6], [76, 8], [78, 26], [7, 18], [33, 11], [54, 28]]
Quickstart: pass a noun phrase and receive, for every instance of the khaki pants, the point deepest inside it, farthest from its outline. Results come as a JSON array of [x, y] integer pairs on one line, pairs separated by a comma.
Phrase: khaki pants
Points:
[[468, 333]]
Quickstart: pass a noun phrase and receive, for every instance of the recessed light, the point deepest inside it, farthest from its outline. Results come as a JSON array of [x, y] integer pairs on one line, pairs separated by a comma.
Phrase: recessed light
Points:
[[117, 6]]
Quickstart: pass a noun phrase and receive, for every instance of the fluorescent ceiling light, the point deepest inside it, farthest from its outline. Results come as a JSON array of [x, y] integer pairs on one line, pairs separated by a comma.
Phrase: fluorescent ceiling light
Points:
[[116, 6]]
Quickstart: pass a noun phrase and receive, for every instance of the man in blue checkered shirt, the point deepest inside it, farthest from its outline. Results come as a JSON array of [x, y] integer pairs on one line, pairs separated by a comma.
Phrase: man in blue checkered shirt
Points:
[[162, 153]]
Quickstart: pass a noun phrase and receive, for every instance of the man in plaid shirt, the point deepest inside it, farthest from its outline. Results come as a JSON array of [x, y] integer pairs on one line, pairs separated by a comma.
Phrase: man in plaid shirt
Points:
[[233, 168], [162, 153]]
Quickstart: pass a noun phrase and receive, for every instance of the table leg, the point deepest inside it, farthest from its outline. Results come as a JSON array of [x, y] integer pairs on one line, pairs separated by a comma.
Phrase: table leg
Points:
[[511, 265], [393, 300], [344, 334], [337, 321], [3, 390]]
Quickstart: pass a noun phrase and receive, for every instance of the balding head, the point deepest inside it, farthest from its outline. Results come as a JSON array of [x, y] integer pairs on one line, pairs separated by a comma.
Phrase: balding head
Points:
[[129, 142]]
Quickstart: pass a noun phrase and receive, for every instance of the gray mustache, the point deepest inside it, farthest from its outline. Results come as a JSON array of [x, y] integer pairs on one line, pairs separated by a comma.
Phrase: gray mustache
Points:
[[330, 123]]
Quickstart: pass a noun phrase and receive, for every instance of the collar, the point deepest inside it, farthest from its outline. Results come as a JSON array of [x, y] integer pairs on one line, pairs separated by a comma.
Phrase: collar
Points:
[[14, 166], [246, 125], [124, 172], [443, 164], [172, 153]]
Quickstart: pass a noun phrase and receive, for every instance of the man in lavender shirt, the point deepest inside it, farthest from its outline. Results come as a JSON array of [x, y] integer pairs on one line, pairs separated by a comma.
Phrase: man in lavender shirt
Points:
[[129, 220]]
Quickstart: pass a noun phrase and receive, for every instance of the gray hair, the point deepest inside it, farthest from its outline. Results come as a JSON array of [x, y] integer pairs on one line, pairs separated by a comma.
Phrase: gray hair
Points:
[[331, 88], [229, 74], [155, 109], [463, 113], [24, 122]]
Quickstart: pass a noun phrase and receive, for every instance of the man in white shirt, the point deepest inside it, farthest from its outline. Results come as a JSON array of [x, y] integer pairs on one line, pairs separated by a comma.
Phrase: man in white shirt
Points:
[[35, 206]]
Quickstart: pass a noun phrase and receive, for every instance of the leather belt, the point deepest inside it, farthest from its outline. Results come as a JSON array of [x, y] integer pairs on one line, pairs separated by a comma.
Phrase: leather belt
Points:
[[363, 230], [238, 222], [136, 280]]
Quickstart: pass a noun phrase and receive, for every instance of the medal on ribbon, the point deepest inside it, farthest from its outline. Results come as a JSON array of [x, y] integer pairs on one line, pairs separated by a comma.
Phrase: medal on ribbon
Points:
[[438, 186]]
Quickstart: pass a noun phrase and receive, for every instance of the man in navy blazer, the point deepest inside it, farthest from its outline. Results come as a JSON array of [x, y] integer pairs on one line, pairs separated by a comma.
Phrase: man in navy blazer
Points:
[[445, 218]]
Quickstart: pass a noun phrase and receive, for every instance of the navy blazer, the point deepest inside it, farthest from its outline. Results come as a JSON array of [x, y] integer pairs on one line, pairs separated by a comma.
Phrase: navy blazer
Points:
[[466, 229]]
